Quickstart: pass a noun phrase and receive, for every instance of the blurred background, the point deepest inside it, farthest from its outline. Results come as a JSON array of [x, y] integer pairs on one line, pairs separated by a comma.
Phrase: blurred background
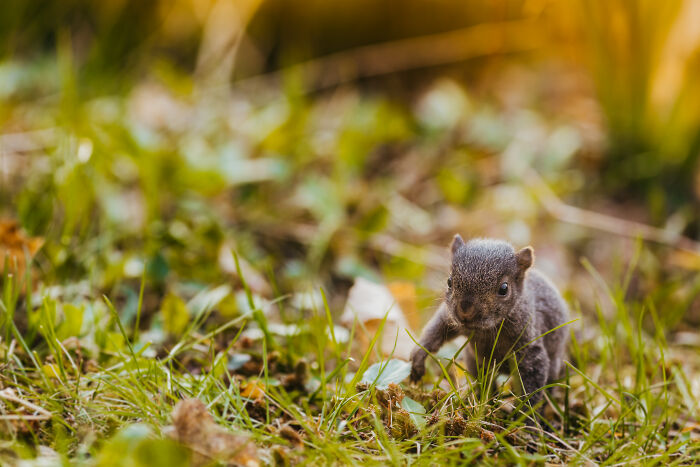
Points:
[[325, 141]]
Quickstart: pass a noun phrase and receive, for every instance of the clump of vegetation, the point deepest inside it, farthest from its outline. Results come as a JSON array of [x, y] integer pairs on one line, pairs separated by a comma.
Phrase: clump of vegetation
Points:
[[89, 389]]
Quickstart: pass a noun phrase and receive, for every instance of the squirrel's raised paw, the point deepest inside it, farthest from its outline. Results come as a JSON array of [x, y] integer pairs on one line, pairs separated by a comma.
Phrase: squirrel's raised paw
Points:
[[417, 370]]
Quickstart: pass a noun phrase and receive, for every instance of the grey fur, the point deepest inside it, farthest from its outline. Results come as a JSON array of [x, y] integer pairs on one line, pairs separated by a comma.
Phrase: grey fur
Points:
[[473, 307]]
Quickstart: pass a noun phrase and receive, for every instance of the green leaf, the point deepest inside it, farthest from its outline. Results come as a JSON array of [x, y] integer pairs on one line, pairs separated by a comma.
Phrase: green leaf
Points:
[[382, 374], [136, 445], [175, 315], [415, 410], [114, 342], [72, 321], [456, 189]]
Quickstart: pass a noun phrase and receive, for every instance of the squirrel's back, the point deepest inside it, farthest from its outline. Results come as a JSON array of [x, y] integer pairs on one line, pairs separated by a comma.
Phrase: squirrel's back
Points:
[[550, 311]]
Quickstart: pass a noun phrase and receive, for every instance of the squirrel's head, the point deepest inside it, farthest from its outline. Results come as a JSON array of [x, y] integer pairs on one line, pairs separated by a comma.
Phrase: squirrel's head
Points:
[[486, 280]]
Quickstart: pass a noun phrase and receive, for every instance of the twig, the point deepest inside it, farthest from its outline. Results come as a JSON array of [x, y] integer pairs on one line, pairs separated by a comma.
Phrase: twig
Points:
[[9, 395], [431, 257], [594, 220]]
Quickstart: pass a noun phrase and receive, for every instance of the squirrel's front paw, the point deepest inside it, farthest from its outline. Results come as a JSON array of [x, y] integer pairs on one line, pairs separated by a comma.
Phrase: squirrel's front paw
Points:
[[417, 373], [417, 365]]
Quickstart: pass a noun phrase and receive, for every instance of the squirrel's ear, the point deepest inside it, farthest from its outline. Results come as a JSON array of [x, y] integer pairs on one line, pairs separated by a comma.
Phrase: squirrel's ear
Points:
[[456, 243], [525, 258]]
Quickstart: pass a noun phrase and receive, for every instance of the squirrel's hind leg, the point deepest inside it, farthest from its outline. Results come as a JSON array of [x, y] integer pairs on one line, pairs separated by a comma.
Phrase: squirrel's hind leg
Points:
[[555, 367]]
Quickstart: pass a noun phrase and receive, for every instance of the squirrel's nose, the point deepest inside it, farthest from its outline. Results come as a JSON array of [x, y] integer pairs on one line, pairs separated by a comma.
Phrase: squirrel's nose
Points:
[[467, 306]]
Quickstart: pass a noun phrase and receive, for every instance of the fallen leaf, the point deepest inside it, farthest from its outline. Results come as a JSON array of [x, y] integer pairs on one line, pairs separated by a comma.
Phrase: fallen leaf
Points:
[[16, 247], [369, 303], [415, 410], [253, 390], [207, 299], [689, 428], [175, 314], [137, 445], [47, 456], [405, 295], [238, 360], [253, 278], [382, 374], [195, 427], [685, 259], [72, 321], [311, 300]]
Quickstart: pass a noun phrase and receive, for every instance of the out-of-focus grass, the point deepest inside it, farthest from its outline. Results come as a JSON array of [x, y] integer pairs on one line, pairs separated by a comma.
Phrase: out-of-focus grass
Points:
[[644, 57], [640, 56]]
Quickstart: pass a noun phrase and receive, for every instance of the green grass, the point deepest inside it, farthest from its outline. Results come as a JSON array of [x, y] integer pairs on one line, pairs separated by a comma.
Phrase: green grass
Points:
[[624, 400]]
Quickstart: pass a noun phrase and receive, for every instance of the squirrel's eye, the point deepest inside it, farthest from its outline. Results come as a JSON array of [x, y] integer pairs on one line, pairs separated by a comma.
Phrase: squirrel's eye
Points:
[[503, 289], [449, 282]]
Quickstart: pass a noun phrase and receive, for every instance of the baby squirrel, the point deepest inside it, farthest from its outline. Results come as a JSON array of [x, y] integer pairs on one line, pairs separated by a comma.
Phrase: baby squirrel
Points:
[[491, 283]]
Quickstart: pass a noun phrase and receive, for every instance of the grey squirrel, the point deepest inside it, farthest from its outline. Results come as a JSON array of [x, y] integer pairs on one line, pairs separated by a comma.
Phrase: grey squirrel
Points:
[[490, 283]]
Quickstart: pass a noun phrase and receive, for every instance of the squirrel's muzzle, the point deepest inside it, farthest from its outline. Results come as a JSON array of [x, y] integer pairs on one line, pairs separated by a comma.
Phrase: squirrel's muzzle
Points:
[[467, 310]]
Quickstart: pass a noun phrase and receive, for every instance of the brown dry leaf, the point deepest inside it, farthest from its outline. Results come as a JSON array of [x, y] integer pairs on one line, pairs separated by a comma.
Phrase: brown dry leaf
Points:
[[195, 427], [685, 259], [693, 427], [405, 295], [253, 390], [13, 244]]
